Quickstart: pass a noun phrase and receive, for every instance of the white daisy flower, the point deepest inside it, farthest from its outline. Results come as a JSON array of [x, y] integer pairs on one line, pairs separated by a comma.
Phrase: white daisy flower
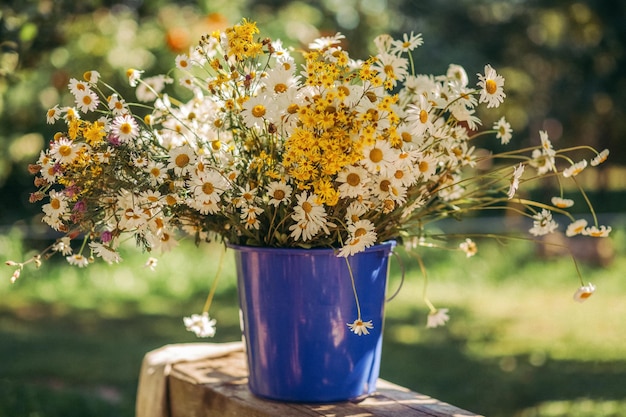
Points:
[[64, 151], [125, 128], [204, 207], [278, 192], [469, 247], [543, 223], [576, 228], [427, 165], [91, 77], [255, 111], [353, 180], [457, 73], [57, 205], [182, 160], [53, 114], [151, 87], [407, 44], [107, 253], [207, 186], [437, 318], [354, 212], [246, 197], [575, 169], [389, 188], [87, 101], [105, 157], [182, 62], [600, 158], [162, 241], [391, 67], [491, 84], [503, 130], [70, 113], [518, 171], [561, 202], [250, 217], [594, 231], [310, 217], [360, 327], [117, 105], [379, 158], [133, 76], [419, 117], [326, 42], [151, 263], [584, 292], [279, 81], [63, 246], [156, 172], [201, 324], [77, 87], [77, 260], [361, 235]]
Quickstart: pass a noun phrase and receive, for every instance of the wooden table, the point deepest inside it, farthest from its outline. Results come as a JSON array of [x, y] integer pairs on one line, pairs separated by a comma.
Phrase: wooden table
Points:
[[218, 387]]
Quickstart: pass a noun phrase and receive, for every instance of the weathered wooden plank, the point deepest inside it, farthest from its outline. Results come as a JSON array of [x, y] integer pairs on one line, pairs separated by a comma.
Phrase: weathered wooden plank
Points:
[[218, 387]]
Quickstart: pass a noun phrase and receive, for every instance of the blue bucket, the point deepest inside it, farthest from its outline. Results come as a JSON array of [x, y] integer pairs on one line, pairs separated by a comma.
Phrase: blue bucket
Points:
[[295, 306]]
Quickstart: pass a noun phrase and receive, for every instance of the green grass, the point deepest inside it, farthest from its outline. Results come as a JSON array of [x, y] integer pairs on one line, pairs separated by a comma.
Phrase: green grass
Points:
[[71, 341]]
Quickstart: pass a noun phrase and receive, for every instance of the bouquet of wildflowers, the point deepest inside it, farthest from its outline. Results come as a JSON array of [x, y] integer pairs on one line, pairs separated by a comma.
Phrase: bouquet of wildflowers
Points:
[[278, 149]]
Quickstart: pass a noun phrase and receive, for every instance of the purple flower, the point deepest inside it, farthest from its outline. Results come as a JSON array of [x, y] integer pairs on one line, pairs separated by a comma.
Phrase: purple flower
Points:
[[106, 236], [71, 190], [114, 140], [80, 206]]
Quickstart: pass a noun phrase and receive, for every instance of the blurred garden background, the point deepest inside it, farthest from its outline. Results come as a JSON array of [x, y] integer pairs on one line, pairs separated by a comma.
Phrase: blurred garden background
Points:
[[71, 341]]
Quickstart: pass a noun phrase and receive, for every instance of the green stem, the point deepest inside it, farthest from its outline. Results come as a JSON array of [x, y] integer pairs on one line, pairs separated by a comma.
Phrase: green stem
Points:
[[356, 297], [209, 299]]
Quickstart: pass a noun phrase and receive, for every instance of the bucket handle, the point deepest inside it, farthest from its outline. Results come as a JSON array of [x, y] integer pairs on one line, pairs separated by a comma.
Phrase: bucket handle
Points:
[[401, 277]]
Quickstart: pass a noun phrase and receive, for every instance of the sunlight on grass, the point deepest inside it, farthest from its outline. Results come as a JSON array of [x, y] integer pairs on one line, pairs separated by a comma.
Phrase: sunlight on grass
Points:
[[578, 408], [530, 309]]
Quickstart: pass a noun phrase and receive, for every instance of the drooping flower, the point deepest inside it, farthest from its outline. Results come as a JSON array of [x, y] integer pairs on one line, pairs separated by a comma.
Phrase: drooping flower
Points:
[[576, 228], [584, 292], [105, 252], [600, 158], [78, 260], [574, 169], [594, 231], [469, 247], [561, 202], [437, 317], [63, 246], [360, 327], [200, 324], [151, 263], [518, 171]]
